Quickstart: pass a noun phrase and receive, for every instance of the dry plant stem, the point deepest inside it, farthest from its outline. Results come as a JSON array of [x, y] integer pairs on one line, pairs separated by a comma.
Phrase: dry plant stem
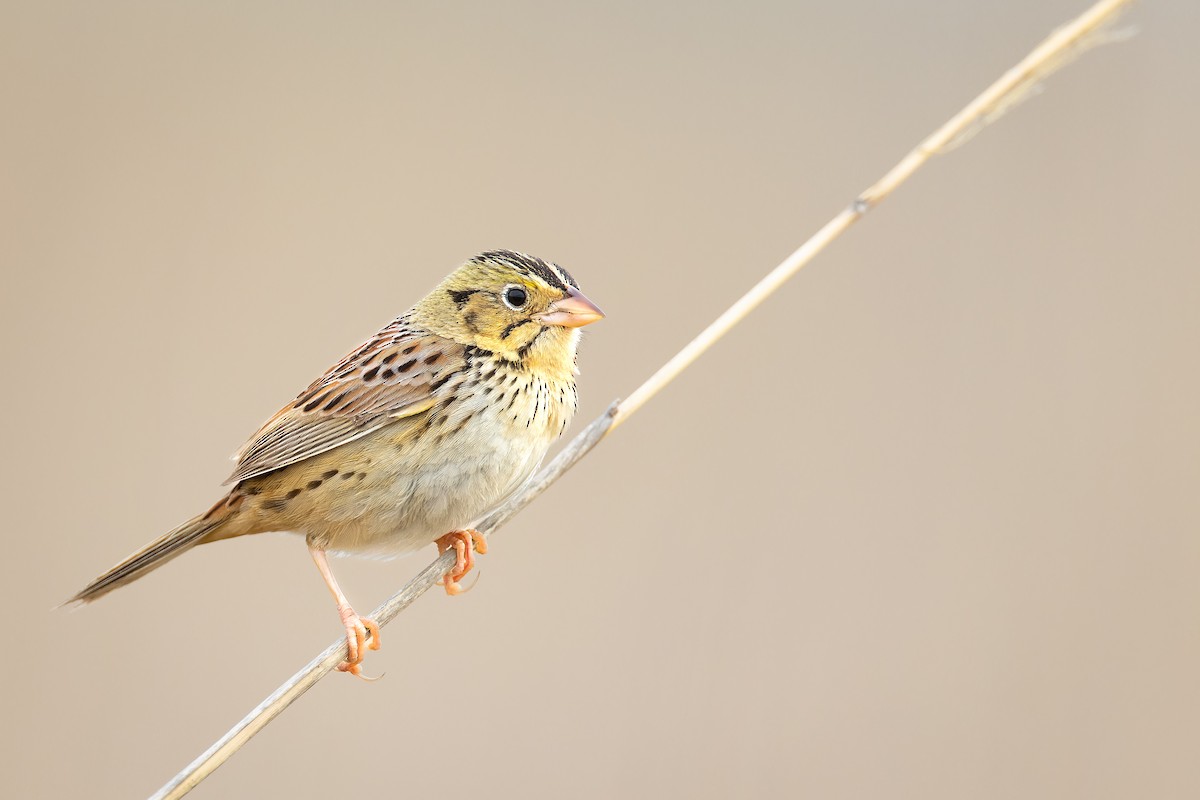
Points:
[[1039, 63], [333, 655]]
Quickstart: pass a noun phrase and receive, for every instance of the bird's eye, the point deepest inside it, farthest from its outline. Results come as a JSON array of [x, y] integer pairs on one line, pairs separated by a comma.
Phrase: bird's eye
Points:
[[515, 297]]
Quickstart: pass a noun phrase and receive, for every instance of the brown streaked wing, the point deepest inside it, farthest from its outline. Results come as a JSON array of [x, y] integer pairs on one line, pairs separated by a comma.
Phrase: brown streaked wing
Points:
[[388, 378]]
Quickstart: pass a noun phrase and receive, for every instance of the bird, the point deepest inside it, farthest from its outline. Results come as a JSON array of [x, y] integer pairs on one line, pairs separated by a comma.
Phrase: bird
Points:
[[438, 417]]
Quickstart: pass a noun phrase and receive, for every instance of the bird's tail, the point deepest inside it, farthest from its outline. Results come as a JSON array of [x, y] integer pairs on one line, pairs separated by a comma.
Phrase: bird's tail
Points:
[[155, 554]]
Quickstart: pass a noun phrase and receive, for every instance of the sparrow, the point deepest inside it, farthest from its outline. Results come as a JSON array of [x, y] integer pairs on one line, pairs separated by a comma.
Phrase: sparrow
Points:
[[438, 417]]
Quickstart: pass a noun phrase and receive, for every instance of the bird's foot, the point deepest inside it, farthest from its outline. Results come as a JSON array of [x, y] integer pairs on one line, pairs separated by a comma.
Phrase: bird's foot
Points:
[[464, 552], [362, 634]]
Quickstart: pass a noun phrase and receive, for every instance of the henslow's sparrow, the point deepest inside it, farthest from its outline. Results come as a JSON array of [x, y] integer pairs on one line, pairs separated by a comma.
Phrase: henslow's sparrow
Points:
[[411, 437]]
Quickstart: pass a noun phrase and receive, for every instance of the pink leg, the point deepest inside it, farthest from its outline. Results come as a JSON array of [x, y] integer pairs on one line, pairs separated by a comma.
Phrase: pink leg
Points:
[[362, 633], [462, 542]]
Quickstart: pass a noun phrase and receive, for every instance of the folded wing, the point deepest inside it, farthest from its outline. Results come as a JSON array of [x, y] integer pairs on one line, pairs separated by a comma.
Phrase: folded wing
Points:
[[392, 376]]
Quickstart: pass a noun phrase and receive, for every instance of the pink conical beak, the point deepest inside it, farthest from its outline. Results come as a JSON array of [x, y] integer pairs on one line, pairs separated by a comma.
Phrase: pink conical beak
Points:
[[573, 311]]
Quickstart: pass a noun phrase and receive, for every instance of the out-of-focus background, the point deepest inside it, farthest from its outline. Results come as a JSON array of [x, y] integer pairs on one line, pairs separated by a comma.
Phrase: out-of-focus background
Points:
[[927, 525]]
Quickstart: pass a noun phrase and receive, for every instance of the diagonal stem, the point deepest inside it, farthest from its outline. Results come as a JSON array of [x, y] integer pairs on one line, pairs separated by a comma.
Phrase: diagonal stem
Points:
[[1052, 53], [336, 653]]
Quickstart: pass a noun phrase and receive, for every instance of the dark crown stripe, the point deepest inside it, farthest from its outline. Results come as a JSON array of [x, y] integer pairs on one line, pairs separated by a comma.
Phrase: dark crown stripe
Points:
[[548, 272]]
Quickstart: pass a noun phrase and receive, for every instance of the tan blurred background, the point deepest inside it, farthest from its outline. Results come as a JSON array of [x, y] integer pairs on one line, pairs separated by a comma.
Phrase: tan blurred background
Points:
[[926, 526]]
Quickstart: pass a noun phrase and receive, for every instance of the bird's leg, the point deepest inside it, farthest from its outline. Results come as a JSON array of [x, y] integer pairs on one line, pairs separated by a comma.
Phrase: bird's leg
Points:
[[361, 632], [462, 542]]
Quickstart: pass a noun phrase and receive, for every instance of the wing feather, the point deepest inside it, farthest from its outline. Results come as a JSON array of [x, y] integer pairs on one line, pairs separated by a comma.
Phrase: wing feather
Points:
[[390, 377]]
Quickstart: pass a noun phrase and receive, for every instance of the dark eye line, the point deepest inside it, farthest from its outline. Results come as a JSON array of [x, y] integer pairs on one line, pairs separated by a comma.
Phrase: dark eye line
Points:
[[460, 298]]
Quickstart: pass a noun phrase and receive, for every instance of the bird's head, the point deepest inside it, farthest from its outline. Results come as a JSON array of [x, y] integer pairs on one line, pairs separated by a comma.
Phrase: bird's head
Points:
[[517, 306]]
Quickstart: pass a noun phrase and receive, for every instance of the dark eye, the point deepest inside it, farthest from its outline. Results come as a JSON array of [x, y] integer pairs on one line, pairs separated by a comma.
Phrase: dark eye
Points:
[[515, 297]]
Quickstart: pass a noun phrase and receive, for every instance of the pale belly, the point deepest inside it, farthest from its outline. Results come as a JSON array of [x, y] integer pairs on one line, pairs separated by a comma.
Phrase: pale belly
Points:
[[398, 489], [401, 509]]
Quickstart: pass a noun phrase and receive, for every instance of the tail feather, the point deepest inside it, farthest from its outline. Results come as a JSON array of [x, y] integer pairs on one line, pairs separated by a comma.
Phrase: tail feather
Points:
[[152, 556]]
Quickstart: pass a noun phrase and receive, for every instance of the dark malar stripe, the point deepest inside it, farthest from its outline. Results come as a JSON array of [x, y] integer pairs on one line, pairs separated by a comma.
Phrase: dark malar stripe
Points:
[[524, 349], [513, 326]]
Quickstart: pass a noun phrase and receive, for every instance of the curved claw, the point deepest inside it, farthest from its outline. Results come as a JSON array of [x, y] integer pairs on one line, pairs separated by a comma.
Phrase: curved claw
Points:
[[362, 634], [466, 543], [356, 671], [457, 588], [372, 632]]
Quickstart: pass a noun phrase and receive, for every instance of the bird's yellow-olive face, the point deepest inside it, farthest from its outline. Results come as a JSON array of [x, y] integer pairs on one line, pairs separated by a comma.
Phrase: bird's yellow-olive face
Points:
[[512, 304]]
